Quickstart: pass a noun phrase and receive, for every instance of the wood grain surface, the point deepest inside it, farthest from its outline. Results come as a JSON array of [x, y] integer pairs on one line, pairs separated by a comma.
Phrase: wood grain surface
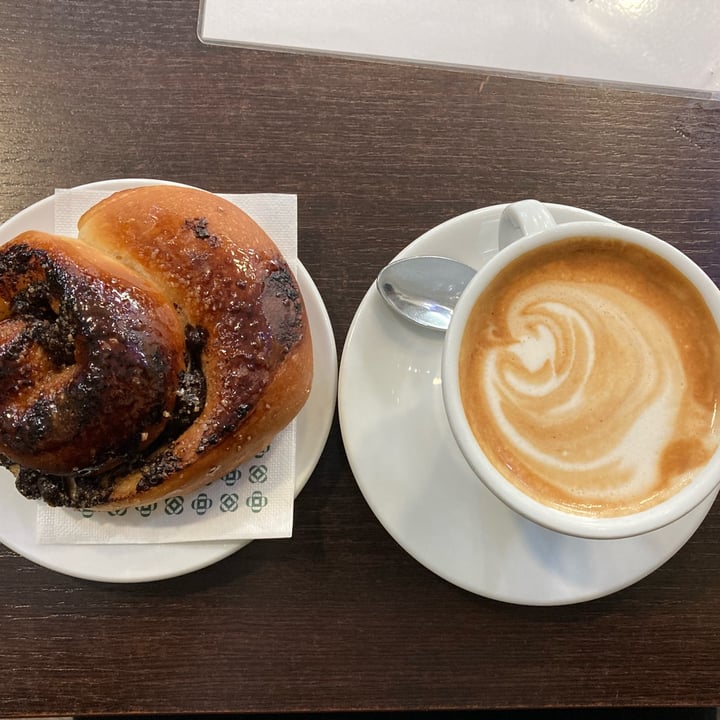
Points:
[[339, 617]]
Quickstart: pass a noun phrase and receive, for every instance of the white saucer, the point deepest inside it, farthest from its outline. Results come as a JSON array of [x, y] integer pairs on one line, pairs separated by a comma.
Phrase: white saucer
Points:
[[140, 563], [419, 486]]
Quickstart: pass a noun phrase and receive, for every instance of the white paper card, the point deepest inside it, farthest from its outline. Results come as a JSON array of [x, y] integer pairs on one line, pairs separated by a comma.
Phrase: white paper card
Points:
[[255, 501], [658, 43]]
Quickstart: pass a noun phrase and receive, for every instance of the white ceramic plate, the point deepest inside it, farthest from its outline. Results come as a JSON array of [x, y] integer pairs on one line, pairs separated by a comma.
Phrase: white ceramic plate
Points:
[[140, 563], [419, 486]]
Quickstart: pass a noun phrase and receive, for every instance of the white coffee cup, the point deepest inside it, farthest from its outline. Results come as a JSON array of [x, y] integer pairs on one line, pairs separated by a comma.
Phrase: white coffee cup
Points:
[[524, 227]]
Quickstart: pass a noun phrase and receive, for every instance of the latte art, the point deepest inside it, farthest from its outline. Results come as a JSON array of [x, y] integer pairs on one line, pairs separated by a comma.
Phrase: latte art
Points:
[[585, 380]]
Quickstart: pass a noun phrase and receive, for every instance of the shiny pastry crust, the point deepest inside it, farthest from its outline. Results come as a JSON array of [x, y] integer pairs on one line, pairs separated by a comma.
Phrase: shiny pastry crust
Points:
[[228, 299], [78, 333]]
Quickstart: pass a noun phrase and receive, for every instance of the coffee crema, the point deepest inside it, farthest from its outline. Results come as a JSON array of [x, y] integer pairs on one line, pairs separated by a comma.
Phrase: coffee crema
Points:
[[590, 375]]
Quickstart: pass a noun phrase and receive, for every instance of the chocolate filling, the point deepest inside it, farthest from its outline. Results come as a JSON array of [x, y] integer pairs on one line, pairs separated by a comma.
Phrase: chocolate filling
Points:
[[282, 307], [93, 486]]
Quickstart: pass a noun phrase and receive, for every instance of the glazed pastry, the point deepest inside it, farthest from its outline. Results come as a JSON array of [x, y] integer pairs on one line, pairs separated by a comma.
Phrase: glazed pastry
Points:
[[153, 354]]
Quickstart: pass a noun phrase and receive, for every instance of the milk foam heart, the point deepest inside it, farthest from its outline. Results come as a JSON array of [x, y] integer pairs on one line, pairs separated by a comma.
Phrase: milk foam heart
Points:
[[590, 377]]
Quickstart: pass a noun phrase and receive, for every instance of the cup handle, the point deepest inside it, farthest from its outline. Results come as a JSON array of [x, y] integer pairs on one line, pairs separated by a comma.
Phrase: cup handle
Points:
[[525, 217]]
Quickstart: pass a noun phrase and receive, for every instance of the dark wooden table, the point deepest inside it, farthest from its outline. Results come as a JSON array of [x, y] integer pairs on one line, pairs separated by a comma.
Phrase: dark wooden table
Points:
[[339, 617]]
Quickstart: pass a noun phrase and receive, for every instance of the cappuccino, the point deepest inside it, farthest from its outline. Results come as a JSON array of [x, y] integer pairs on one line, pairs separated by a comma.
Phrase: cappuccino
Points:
[[589, 372]]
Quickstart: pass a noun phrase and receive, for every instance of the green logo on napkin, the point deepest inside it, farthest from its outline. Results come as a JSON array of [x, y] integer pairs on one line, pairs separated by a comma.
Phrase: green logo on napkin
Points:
[[117, 513], [145, 510], [258, 473], [228, 502], [232, 477], [174, 505], [201, 504], [257, 501], [263, 452]]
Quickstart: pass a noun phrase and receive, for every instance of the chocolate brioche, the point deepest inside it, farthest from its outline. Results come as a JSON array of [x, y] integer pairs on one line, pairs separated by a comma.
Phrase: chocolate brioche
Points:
[[163, 347]]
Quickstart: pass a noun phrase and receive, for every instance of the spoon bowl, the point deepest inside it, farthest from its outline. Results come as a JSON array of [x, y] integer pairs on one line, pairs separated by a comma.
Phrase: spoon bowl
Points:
[[424, 289]]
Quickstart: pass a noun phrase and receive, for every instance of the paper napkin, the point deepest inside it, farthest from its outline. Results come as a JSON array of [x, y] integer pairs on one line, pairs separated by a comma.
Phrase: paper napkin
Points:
[[252, 502]]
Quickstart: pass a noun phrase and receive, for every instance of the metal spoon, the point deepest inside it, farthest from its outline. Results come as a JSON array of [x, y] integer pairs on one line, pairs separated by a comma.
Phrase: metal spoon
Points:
[[424, 289]]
